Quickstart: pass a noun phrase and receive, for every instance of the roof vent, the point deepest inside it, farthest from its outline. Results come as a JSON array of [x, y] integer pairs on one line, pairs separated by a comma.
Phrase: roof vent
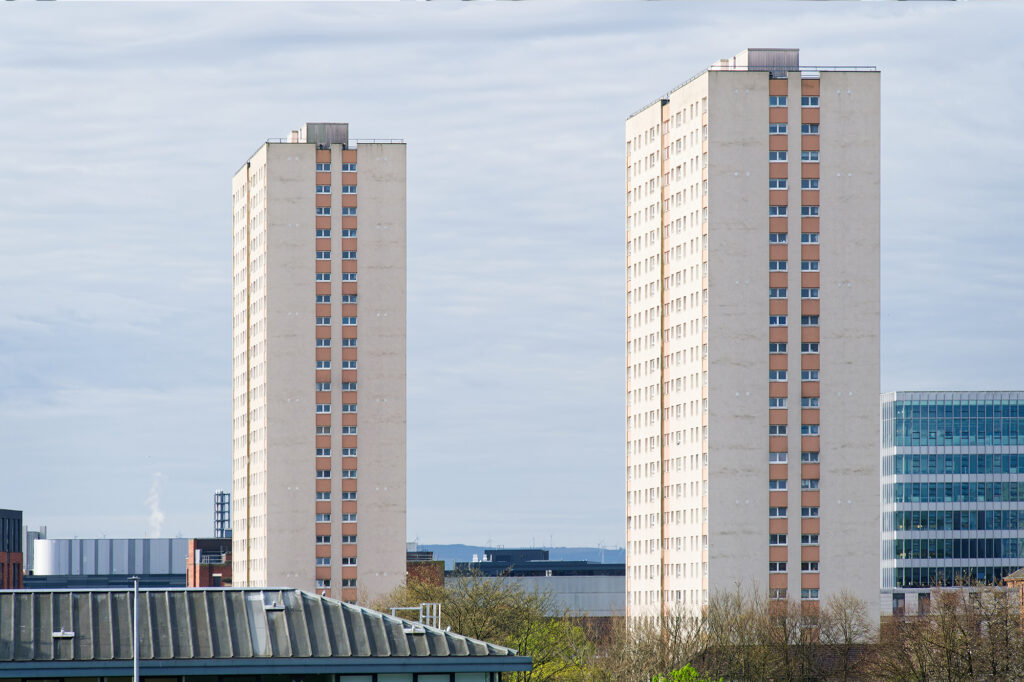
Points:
[[413, 629], [63, 634], [273, 606]]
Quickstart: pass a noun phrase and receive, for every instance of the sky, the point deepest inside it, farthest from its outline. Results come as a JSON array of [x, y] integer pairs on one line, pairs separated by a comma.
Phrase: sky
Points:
[[121, 125]]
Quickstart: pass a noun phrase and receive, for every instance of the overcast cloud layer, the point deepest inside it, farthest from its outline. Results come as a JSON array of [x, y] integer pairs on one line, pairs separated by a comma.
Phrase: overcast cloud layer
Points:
[[121, 125]]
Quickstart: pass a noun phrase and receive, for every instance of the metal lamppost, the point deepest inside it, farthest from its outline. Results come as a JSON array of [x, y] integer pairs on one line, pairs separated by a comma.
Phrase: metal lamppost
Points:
[[135, 630]]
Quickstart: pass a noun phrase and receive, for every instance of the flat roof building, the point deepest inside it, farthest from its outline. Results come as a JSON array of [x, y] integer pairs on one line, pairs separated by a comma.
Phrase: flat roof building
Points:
[[752, 334], [12, 553], [952, 492]]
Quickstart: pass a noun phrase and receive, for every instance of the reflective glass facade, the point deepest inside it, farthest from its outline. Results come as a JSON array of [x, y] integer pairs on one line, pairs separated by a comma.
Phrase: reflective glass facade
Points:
[[952, 488]]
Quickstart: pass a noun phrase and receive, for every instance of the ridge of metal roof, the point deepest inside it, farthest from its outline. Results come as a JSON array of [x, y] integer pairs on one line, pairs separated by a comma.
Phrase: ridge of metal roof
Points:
[[186, 627]]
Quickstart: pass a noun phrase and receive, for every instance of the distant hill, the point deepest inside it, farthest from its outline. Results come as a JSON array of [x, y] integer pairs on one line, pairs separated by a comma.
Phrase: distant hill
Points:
[[452, 553]]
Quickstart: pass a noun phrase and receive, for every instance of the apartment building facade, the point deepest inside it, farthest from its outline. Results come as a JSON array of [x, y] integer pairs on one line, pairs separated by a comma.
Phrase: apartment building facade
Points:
[[752, 335], [319, 284], [952, 492]]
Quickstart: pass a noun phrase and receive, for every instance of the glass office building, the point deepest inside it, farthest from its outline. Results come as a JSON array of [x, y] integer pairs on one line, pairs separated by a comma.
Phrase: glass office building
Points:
[[952, 492]]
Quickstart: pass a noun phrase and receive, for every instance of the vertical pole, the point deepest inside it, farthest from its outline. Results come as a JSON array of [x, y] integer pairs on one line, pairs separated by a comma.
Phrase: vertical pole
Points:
[[135, 632]]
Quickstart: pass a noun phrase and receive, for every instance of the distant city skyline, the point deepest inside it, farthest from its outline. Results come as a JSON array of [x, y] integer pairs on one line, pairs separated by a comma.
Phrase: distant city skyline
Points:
[[122, 124]]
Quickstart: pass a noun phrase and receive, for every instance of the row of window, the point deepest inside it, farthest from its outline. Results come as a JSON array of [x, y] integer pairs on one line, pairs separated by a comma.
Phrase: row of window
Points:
[[782, 484], [326, 539], [958, 548], [781, 155], [345, 343], [345, 277], [326, 385], [782, 320], [345, 298], [325, 167], [783, 128], [783, 266], [782, 100], [956, 519], [323, 583], [805, 212], [779, 539], [325, 321], [326, 255], [783, 237], [805, 292], [930, 576], [324, 232], [958, 464], [805, 512], [326, 518], [783, 457], [807, 347], [326, 452], [345, 473], [345, 560], [345, 210], [326, 189], [998, 491], [783, 183], [783, 429], [780, 566]]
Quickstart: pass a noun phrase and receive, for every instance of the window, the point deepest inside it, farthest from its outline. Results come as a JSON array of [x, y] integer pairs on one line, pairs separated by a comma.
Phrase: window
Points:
[[323, 298], [348, 561], [809, 320], [777, 292], [809, 183], [323, 189], [348, 452], [809, 592], [324, 430], [809, 566], [809, 101], [349, 364], [809, 429], [777, 237], [778, 457], [348, 385], [323, 364], [777, 128], [323, 473], [778, 403], [323, 167], [348, 407], [809, 211], [323, 561], [348, 582], [776, 512], [809, 539], [809, 128], [323, 452], [809, 512], [348, 518], [323, 582], [348, 343], [809, 238], [323, 255], [777, 101], [323, 496], [776, 320], [348, 189], [810, 292], [323, 210], [810, 265], [323, 539], [777, 429], [810, 157], [348, 321], [323, 343], [777, 484], [349, 298], [777, 347], [778, 265], [349, 277], [323, 385], [349, 430], [348, 232], [323, 408], [776, 566], [778, 183], [348, 539], [810, 403], [348, 495], [777, 539], [778, 156], [808, 484], [323, 277], [348, 473], [811, 347], [774, 211], [351, 210], [348, 167], [808, 456], [777, 375], [323, 232], [810, 375], [348, 255], [323, 518]]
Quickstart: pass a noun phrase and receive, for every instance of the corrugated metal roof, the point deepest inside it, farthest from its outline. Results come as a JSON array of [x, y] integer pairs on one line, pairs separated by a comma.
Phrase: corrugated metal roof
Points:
[[178, 625]]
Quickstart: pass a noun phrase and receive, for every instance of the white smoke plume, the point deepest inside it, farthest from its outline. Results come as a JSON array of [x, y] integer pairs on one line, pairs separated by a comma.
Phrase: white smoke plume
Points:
[[156, 517]]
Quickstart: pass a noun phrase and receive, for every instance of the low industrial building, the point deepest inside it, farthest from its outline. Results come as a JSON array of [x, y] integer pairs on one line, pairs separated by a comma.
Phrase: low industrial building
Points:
[[107, 562], [225, 635], [209, 562]]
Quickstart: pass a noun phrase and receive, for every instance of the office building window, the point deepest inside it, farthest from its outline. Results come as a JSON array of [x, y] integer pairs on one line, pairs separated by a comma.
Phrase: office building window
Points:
[[808, 484], [349, 298], [323, 210], [348, 189], [777, 237], [810, 347], [809, 566], [776, 538], [809, 128], [323, 255], [323, 561], [348, 210], [809, 320], [809, 512], [777, 292], [323, 189], [348, 561], [323, 539], [348, 232], [323, 518], [778, 183], [348, 385], [778, 156], [809, 539], [810, 292], [809, 211], [777, 100], [778, 265], [809, 157], [323, 277], [777, 593], [323, 452], [776, 512], [323, 298], [348, 407], [323, 364], [776, 211], [323, 408], [777, 375], [774, 348], [348, 255], [348, 518], [322, 583], [809, 593], [777, 429], [810, 403], [323, 167], [323, 473], [348, 539], [323, 430], [778, 457], [348, 321], [809, 101], [810, 375], [348, 167], [348, 495], [323, 343], [349, 277], [348, 473], [810, 265], [349, 430], [776, 320], [809, 430], [776, 566], [348, 343], [809, 457], [777, 484], [777, 128], [809, 183], [323, 496], [323, 233], [348, 452], [348, 582], [323, 385]]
